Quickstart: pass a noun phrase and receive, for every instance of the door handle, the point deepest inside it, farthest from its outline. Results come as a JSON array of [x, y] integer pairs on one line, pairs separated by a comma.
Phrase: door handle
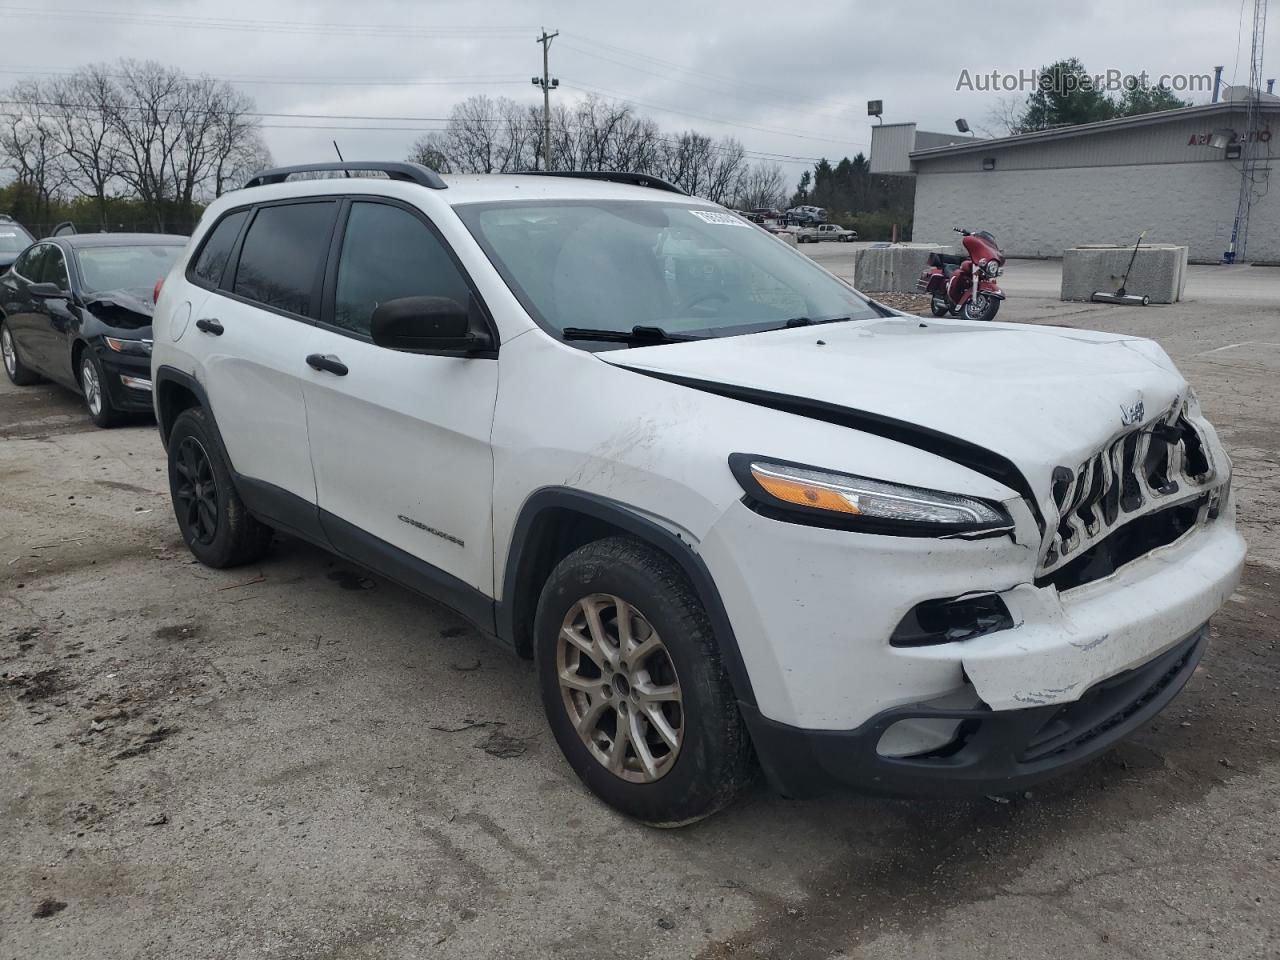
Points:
[[209, 325], [319, 361]]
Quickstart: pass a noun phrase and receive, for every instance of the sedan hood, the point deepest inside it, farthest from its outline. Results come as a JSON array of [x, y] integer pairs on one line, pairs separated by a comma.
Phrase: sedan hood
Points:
[[1039, 397]]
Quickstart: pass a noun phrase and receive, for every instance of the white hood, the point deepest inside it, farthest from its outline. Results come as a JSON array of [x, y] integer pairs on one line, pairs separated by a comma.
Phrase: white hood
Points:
[[1039, 396]]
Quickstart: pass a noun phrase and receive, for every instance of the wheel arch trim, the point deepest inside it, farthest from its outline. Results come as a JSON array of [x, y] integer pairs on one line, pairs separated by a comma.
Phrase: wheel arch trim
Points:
[[521, 556], [165, 375]]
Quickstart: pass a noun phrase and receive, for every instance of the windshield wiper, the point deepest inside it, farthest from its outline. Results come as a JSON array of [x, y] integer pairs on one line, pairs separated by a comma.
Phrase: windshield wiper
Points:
[[809, 321], [639, 334]]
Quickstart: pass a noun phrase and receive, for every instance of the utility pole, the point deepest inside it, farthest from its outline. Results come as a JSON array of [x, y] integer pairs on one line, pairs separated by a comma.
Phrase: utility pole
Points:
[[547, 84]]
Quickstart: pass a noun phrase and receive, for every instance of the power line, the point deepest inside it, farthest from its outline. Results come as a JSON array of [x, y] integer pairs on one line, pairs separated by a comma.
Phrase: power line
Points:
[[277, 26]]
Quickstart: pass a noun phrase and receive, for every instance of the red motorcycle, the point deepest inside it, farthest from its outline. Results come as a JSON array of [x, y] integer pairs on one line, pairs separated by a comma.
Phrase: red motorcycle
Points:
[[965, 285]]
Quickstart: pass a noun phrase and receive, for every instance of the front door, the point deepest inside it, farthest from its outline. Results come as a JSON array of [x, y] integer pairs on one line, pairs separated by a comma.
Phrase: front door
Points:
[[400, 442]]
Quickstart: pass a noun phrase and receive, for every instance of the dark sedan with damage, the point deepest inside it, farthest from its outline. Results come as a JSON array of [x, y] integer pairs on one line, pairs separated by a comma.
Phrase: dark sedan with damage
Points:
[[77, 309]]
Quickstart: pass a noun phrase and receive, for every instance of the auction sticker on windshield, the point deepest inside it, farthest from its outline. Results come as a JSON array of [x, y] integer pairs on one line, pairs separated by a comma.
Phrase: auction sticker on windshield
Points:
[[727, 219]]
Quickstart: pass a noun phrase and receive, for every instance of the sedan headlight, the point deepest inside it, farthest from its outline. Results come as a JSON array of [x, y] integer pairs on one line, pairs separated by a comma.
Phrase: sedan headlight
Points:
[[135, 347], [992, 268], [819, 497]]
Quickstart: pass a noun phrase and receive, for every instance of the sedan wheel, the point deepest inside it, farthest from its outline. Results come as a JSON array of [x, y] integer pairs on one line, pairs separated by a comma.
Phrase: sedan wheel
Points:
[[13, 364], [6, 347], [91, 385], [95, 393], [620, 688]]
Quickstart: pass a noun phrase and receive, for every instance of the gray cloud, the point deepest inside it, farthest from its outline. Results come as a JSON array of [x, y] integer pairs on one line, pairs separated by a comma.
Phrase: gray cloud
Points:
[[784, 78]]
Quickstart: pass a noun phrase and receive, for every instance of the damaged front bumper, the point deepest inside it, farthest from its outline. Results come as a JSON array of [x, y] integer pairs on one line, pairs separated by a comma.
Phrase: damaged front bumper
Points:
[[1062, 678], [995, 751]]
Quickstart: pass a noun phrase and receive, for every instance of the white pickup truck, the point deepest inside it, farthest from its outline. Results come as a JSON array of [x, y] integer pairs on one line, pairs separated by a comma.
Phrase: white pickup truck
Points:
[[825, 231]]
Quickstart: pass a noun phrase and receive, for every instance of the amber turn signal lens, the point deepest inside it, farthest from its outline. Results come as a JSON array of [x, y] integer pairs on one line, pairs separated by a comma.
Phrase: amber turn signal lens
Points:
[[803, 494]]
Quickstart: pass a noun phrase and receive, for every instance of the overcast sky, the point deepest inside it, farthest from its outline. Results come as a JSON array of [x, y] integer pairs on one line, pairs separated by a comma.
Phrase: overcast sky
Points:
[[786, 78]]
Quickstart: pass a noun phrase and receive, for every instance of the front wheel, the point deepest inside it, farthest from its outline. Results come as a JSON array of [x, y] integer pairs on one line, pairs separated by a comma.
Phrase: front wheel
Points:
[[981, 307], [93, 384], [633, 685]]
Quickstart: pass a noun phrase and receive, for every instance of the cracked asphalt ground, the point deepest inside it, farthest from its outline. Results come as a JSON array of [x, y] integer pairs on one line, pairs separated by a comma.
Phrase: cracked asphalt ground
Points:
[[301, 760]]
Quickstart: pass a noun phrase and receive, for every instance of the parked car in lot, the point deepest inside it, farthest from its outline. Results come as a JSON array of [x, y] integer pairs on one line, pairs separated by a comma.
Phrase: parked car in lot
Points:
[[14, 238], [807, 214], [77, 309], [736, 512], [825, 231]]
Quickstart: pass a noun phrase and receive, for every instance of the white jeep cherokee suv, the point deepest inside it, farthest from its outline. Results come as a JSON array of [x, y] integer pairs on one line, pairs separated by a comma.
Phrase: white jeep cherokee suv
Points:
[[735, 511]]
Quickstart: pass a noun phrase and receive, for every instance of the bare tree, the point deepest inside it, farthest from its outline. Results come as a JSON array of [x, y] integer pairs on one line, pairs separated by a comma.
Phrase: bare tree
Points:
[[28, 143], [82, 106], [761, 185]]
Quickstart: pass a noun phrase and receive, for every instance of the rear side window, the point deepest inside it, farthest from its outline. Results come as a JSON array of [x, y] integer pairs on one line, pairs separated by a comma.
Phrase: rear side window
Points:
[[283, 255], [388, 253], [217, 249]]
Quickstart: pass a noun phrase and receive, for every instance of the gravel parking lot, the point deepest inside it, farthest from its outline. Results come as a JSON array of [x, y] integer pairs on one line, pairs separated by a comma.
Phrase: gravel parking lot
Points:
[[301, 760]]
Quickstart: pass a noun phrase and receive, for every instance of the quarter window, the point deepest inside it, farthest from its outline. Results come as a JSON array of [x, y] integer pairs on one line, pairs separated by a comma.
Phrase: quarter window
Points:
[[283, 255], [217, 249], [389, 253]]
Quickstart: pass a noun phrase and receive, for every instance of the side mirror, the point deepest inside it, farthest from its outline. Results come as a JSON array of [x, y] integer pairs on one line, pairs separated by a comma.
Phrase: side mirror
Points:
[[47, 291], [430, 325]]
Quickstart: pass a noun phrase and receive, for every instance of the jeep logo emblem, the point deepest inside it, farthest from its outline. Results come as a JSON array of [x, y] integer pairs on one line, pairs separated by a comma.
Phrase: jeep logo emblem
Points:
[[1131, 414]]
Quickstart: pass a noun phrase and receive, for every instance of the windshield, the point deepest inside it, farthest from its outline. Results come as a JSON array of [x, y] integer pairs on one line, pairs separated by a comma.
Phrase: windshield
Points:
[[13, 238], [125, 267], [617, 265]]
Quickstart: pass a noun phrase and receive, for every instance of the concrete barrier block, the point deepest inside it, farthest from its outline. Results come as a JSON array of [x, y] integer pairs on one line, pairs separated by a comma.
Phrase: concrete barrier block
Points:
[[1159, 272], [787, 238], [892, 268]]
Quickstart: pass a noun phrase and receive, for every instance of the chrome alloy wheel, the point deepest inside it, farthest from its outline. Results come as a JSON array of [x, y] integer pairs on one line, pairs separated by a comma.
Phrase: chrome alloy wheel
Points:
[[6, 347], [620, 688], [90, 385]]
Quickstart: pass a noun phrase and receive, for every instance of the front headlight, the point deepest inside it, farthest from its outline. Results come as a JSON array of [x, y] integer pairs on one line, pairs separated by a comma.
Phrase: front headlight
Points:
[[807, 495], [135, 347], [992, 268]]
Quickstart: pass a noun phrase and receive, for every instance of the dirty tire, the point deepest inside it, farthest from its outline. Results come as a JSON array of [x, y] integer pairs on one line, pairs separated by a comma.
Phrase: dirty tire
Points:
[[237, 538], [93, 385], [715, 760], [18, 372]]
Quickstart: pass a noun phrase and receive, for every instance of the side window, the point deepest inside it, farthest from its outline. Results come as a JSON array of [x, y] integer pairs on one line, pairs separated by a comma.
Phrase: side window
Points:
[[53, 268], [217, 248], [29, 263], [283, 255], [389, 253]]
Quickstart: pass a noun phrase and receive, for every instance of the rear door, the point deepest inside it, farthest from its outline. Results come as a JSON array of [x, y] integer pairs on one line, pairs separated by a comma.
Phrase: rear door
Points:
[[54, 324], [19, 307], [251, 337], [400, 442]]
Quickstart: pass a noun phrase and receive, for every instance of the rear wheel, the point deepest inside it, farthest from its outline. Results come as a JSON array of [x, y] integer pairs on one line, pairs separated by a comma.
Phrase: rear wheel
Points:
[[633, 685], [19, 373], [214, 521], [94, 387], [939, 307]]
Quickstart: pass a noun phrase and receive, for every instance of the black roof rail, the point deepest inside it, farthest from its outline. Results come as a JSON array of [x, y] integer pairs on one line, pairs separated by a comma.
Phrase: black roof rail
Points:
[[408, 172], [614, 176]]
